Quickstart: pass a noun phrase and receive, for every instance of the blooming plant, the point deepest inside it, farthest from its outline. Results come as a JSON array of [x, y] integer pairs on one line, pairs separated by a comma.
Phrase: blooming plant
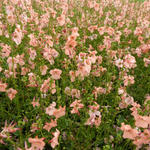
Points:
[[74, 74]]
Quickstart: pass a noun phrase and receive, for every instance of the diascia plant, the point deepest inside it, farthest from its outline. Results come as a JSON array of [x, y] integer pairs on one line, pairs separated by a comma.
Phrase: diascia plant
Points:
[[74, 74]]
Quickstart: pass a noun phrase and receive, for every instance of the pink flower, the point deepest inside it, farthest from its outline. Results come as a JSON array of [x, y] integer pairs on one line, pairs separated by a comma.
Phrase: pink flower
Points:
[[6, 50], [129, 100], [50, 110], [146, 62], [96, 6], [19, 59], [53, 87], [72, 75], [76, 106], [61, 20], [11, 93], [128, 80], [54, 53], [50, 125], [32, 80], [45, 86], [101, 30], [107, 42], [59, 112], [92, 28], [94, 107], [138, 31], [128, 132], [10, 10], [24, 71], [70, 44], [56, 73], [35, 103], [110, 31], [75, 31], [145, 48], [33, 40], [141, 121], [119, 63], [98, 90], [75, 93], [17, 35], [129, 61], [36, 143], [3, 87], [54, 140], [32, 53], [121, 90], [9, 128], [91, 4], [95, 118], [49, 40]]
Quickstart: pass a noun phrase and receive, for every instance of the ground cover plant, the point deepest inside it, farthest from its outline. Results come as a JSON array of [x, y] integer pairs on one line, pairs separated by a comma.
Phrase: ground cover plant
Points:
[[74, 75]]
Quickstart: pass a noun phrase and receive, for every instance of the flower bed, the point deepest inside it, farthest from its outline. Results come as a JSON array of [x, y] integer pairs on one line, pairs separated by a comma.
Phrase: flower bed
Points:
[[74, 74]]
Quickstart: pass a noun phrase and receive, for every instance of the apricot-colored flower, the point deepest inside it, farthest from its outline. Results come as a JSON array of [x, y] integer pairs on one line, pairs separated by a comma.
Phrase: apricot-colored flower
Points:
[[138, 31], [101, 30], [11, 93], [76, 106], [6, 50], [119, 63], [36, 143], [110, 31], [129, 61], [91, 4], [9, 128], [146, 62], [35, 103], [142, 121], [128, 80], [17, 35], [54, 53], [33, 40], [50, 125], [70, 44], [32, 53], [56, 73], [145, 48], [3, 87], [94, 107], [50, 110], [54, 140], [19, 59], [96, 6], [95, 118], [128, 131], [72, 75], [45, 86], [59, 112], [24, 71], [75, 93], [61, 20]]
